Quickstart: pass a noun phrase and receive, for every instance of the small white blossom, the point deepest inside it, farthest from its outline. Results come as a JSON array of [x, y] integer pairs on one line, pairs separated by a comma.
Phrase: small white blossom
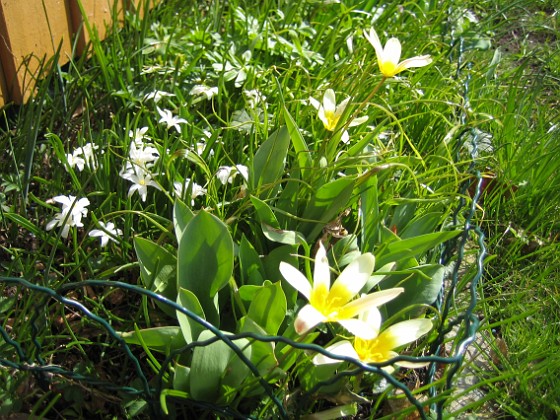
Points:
[[70, 215], [141, 179], [107, 233], [170, 120], [196, 190], [139, 135], [204, 91], [83, 156], [226, 174], [156, 95]]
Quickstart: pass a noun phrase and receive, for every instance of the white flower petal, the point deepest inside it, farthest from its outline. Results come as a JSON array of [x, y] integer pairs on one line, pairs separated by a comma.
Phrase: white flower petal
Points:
[[315, 103], [321, 271], [359, 328], [419, 61], [296, 279], [406, 332], [342, 348], [329, 101], [373, 299], [307, 318], [354, 276], [341, 107], [358, 121], [392, 51], [374, 41]]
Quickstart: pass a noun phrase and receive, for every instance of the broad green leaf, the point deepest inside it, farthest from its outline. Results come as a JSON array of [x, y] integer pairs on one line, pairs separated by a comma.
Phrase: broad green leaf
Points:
[[190, 328], [422, 225], [287, 237], [248, 292], [421, 286], [162, 339], [346, 250], [300, 146], [182, 215], [181, 378], [264, 213], [269, 162], [413, 247], [251, 268], [271, 264], [268, 307], [327, 202], [214, 363], [237, 371], [262, 355], [158, 270], [205, 260], [369, 205]]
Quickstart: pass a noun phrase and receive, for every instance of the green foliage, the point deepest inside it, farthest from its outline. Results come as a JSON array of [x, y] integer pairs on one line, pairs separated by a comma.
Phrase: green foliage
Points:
[[248, 177]]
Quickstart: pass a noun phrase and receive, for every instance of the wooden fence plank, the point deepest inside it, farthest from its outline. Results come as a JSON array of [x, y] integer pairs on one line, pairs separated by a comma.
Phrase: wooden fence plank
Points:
[[99, 15], [31, 32]]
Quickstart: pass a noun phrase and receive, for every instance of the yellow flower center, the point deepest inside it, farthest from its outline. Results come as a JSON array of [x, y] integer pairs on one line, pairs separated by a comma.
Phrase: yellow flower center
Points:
[[376, 350], [332, 120], [388, 68], [329, 303]]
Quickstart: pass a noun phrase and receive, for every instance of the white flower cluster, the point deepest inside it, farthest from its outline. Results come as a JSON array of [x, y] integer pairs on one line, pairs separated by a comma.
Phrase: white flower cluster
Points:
[[83, 156], [141, 157], [70, 215]]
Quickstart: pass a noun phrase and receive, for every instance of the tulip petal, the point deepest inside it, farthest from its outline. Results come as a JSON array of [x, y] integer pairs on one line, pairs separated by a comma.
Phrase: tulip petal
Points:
[[307, 318], [342, 348], [419, 61], [354, 277], [358, 121], [296, 279], [373, 299], [392, 51], [329, 101], [321, 271], [374, 41], [341, 107], [315, 103], [359, 328], [406, 332]]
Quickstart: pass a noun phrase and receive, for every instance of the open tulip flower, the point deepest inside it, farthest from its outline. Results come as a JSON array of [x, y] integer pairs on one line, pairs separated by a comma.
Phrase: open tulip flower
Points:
[[381, 347], [388, 57], [336, 303], [329, 112]]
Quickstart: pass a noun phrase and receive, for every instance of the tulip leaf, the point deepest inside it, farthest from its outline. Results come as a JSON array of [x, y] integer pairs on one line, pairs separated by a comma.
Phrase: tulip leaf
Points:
[[181, 377], [269, 162], [205, 261], [325, 205], [262, 355], [182, 215], [251, 267], [158, 270], [412, 247], [268, 307], [422, 285], [215, 365], [300, 146], [265, 213], [191, 328], [162, 339]]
